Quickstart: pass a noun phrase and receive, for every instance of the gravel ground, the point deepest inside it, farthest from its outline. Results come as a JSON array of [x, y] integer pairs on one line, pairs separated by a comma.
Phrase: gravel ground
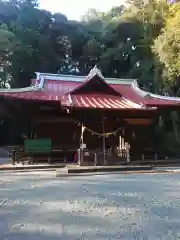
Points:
[[39, 206]]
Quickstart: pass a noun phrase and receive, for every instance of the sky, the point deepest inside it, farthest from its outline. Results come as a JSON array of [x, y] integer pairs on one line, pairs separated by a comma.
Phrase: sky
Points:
[[74, 9]]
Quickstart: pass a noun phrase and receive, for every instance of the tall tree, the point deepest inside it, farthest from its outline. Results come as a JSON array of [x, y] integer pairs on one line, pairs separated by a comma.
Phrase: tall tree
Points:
[[147, 19], [167, 48], [7, 43], [42, 45], [119, 40]]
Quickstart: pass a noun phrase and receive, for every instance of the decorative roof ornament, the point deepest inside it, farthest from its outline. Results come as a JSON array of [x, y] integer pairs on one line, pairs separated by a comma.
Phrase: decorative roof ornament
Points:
[[95, 72]]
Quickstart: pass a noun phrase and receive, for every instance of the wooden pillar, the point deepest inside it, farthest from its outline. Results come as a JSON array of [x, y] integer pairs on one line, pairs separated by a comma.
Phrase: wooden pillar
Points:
[[104, 143], [79, 156], [95, 159], [81, 150]]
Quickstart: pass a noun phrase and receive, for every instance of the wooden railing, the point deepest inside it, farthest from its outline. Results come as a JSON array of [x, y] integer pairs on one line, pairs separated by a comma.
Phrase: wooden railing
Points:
[[88, 157], [67, 155], [57, 155]]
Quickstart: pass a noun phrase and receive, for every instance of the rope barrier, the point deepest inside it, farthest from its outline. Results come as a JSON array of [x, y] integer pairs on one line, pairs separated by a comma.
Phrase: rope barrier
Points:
[[101, 134], [104, 134]]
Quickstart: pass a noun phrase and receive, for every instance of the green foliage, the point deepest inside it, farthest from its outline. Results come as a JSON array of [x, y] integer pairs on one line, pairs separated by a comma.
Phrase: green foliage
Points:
[[167, 45], [140, 40], [124, 42], [7, 43]]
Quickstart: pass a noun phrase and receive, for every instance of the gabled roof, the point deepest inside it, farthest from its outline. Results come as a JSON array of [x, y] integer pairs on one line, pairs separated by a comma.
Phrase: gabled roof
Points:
[[80, 91], [95, 92], [94, 83]]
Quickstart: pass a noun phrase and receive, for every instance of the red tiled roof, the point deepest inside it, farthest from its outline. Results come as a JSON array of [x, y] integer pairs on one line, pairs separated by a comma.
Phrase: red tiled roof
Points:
[[98, 101], [54, 90], [126, 91], [160, 102], [64, 87], [60, 87], [129, 92], [33, 95]]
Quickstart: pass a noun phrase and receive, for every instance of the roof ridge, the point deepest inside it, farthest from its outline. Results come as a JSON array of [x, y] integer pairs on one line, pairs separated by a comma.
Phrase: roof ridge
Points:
[[75, 78]]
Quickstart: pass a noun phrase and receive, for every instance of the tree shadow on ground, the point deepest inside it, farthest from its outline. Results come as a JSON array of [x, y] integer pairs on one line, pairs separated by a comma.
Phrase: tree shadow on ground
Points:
[[99, 207]]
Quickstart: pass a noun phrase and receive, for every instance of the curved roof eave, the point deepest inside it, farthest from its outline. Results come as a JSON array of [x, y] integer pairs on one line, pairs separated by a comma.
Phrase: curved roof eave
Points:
[[21, 90], [143, 93]]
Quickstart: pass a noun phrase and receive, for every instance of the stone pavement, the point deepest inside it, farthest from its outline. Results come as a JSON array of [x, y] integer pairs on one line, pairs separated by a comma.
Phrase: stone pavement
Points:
[[75, 170], [93, 170], [17, 167], [72, 168]]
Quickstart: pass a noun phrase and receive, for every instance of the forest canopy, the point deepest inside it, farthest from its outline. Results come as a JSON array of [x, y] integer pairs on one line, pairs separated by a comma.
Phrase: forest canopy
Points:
[[139, 40]]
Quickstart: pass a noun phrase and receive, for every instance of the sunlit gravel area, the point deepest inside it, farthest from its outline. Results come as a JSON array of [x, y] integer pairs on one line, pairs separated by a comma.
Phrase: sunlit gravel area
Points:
[[39, 206]]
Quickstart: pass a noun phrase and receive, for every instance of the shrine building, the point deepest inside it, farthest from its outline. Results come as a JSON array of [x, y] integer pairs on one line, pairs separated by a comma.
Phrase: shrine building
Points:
[[90, 119]]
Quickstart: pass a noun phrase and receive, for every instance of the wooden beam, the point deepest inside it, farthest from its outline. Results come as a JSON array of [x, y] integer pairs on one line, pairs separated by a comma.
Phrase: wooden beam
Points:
[[138, 121], [51, 120]]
